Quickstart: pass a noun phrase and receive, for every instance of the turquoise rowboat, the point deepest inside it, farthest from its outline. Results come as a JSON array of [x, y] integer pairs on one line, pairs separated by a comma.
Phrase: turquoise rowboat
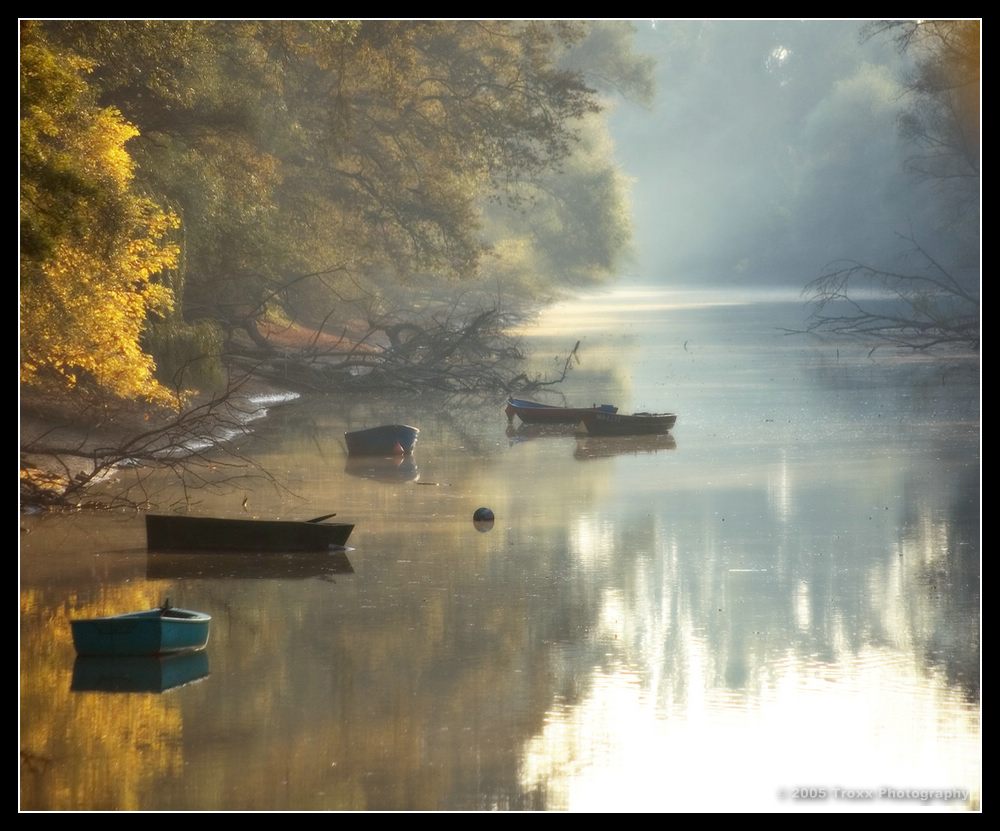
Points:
[[156, 632]]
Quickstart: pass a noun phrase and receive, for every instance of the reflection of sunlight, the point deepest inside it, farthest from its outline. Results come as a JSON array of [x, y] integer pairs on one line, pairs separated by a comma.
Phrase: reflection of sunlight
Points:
[[617, 751], [920, 556], [611, 624], [803, 610], [779, 488], [778, 56], [620, 307], [591, 539]]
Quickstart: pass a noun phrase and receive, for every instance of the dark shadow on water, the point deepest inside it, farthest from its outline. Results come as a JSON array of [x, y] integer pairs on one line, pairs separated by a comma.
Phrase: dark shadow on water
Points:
[[249, 566], [606, 447], [390, 469]]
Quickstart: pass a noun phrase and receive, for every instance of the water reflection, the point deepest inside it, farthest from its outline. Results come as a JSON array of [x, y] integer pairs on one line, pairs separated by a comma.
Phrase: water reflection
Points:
[[789, 596], [133, 674], [391, 469], [250, 566], [605, 447], [527, 432]]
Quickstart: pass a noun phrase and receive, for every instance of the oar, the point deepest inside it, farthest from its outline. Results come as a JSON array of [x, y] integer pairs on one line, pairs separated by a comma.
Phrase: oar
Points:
[[321, 518]]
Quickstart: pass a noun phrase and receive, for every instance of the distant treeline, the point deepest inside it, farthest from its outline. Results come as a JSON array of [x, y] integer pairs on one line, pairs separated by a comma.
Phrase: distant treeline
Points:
[[180, 179]]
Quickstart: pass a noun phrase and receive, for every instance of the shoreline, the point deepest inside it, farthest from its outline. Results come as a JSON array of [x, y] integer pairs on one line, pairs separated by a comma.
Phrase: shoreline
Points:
[[58, 439]]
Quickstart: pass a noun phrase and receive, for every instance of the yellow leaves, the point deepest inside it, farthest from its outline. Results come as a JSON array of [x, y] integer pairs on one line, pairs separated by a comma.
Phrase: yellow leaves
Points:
[[88, 754], [43, 481], [88, 286]]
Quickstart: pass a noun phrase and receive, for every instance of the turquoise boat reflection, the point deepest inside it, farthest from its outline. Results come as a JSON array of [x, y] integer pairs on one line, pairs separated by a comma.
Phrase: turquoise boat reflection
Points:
[[148, 673]]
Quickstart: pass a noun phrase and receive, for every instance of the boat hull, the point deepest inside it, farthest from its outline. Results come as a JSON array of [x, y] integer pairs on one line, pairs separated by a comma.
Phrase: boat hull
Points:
[[639, 424], [387, 440], [156, 632], [531, 412], [188, 533]]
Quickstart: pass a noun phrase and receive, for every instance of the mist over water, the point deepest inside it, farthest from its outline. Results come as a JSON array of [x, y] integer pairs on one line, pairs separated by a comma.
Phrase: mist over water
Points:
[[784, 595], [774, 607]]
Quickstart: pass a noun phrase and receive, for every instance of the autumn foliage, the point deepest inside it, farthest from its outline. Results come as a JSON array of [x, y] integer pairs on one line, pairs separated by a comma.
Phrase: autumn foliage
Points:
[[184, 172], [91, 245]]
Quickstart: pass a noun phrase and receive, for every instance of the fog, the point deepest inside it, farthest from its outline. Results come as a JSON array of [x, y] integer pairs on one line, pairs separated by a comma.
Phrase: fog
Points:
[[770, 150]]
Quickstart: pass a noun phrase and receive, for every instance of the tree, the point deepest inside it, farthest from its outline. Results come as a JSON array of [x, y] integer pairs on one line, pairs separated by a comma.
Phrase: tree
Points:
[[926, 300], [348, 151], [919, 308], [91, 246], [942, 119]]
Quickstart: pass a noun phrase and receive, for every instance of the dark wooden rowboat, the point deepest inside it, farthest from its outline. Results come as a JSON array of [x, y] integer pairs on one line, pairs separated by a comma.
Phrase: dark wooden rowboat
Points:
[[387, 440], [637, 424], [154, 632], [531, 412], [195, 533]]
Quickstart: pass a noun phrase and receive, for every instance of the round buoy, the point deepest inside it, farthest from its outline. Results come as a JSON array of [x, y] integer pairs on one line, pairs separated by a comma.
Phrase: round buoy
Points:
[[483, 519]]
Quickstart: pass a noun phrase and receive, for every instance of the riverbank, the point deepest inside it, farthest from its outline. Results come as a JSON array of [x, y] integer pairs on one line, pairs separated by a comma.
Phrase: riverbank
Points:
[[65, 442]]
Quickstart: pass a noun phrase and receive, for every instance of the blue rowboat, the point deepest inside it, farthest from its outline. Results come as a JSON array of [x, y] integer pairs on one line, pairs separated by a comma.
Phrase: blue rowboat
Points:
[[155, 632], [531, 412], [387, 440]]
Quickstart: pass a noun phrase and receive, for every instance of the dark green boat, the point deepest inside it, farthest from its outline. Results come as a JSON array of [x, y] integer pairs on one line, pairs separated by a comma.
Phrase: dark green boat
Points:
[[191, 533], [637, 424], [155, 632]]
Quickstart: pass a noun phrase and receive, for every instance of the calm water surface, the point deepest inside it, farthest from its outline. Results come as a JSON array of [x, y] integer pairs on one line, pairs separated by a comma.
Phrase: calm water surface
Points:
[[775, 608]]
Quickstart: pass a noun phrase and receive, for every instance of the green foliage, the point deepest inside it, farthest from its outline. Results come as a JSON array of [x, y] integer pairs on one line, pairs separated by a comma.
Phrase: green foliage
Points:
[[305, 157], [187, 355], [292, 147]]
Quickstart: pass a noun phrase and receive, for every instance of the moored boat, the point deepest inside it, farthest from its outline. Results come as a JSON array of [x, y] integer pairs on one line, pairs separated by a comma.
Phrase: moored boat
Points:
[[531, 412], [637, 424], [387, 440], [174, 532], [154, 632]]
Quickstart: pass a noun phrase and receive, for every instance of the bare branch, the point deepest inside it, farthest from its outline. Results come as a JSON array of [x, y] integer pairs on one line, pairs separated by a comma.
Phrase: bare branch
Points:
[[918, 310], [194, 446]]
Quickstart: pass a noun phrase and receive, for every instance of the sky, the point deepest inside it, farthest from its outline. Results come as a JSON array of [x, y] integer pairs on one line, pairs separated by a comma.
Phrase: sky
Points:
[[771, 150]]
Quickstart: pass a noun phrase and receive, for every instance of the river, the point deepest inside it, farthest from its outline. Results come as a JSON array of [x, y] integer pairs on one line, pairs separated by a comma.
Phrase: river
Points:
[[778, 609]]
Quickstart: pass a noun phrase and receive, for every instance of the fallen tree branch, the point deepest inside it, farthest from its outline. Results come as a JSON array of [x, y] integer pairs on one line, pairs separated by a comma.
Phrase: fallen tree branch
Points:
[[919, 309], [447, 352], [70, 466]]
